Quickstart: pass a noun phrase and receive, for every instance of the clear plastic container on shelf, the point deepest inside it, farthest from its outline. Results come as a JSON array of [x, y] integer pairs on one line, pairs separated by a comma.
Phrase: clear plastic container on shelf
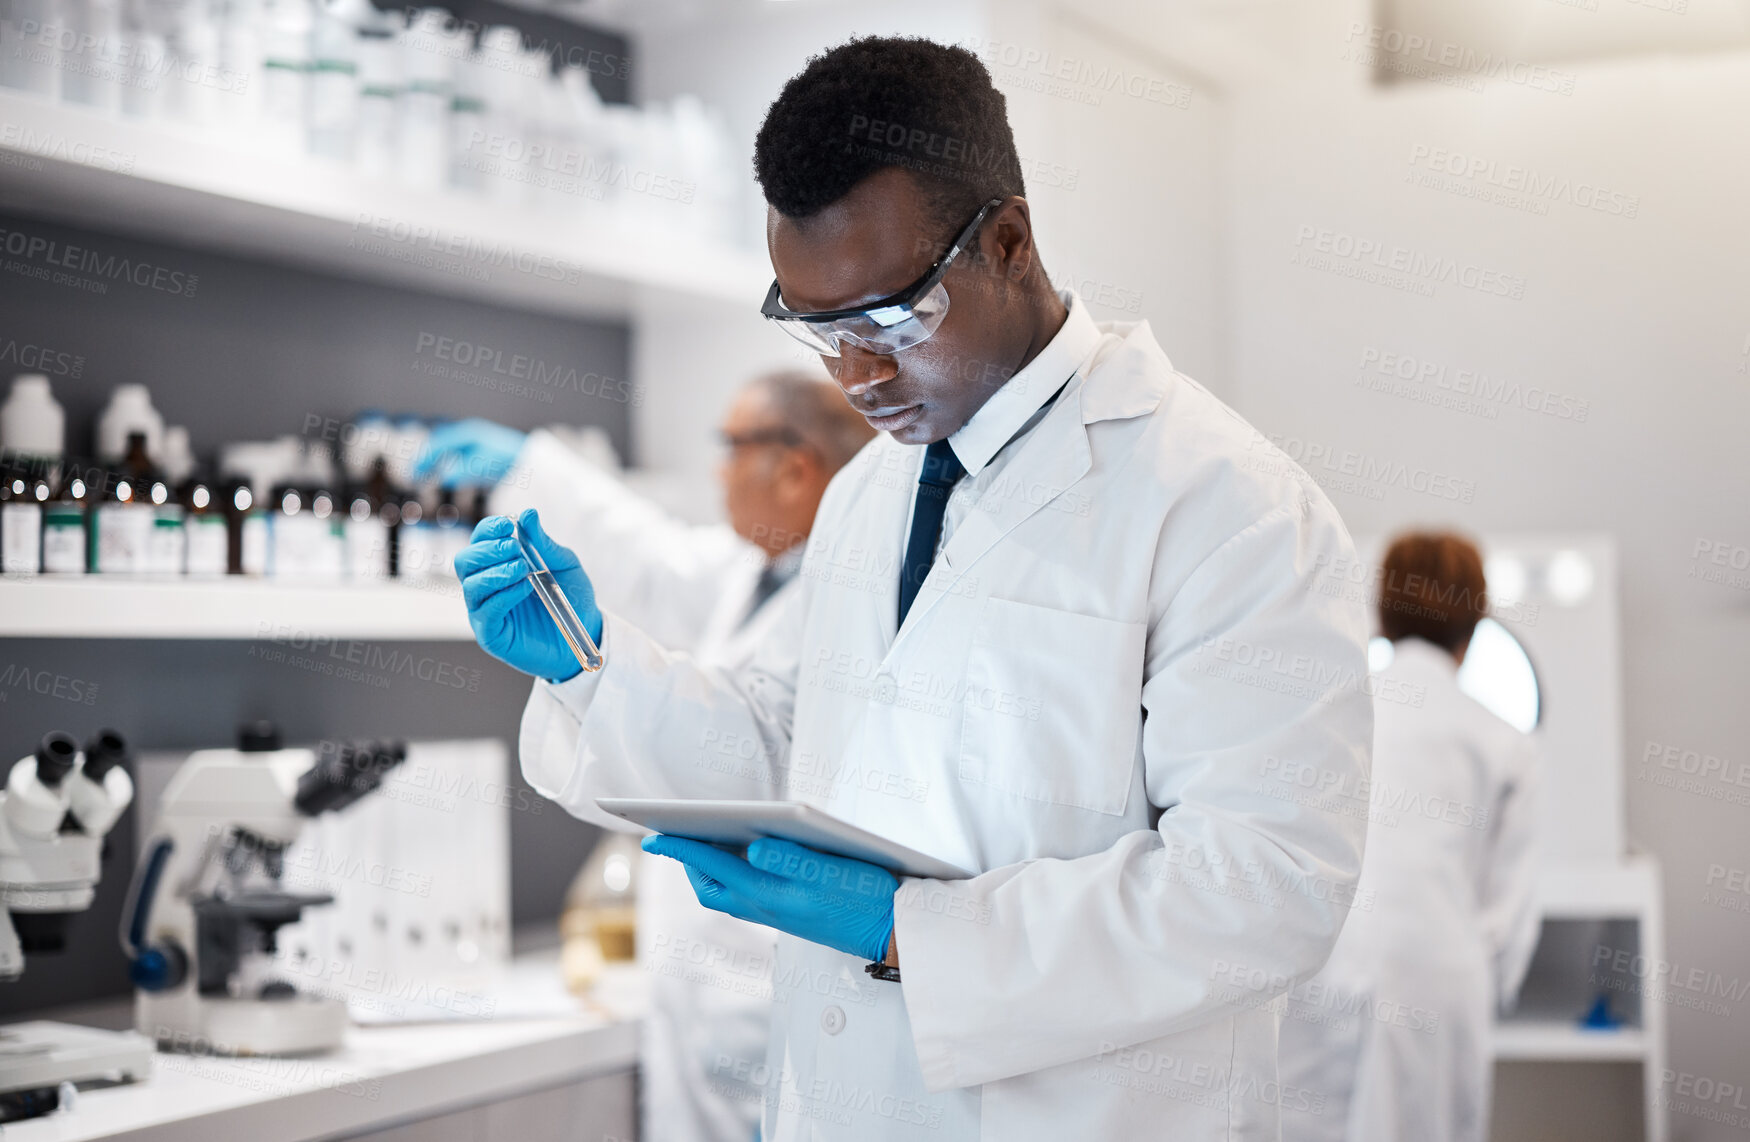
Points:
[[403, 93], [707, 188], [503, 155], [176, 457], [92, 68], [559, 184], [655, 180], [285, 80], [129, 411], [582, 135], [31, 421], [429, 49], [29, 58], [145, 56], [240, 59], [620, 130], [544, 131], [11, 45], [375, 145], [193, 84], [332, 115], [468, 123]]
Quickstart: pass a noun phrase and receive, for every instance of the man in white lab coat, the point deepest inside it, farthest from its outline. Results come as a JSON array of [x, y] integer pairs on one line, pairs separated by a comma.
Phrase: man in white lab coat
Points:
[[715, 591], [1394, 1032], [1052, 629]]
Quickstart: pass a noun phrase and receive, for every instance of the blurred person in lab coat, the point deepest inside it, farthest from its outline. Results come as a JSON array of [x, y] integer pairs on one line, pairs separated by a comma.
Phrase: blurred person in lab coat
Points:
[[713, 591], [1027, 638], [1391, 1040]]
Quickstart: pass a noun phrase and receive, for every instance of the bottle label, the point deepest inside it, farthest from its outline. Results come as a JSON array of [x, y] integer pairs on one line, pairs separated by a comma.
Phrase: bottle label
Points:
[[254, 554], [207, 553], [333, 98], [64, 544], [419, 552], [298, 543], [165, 547], [367, 549], [21, 530], [119, 543]]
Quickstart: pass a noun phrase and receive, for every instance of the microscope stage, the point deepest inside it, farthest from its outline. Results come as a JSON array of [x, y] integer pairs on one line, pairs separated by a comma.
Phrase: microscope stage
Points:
[[44, 1054]]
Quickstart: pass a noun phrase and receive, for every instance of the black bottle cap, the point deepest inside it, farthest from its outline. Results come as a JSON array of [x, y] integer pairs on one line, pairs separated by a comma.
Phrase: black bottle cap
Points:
[[103, 752], [54, 757], [258, 737]]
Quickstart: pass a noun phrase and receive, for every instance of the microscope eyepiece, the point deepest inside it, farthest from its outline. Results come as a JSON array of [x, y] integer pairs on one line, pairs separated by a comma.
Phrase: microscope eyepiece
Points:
[[103, 752], [258, 737], [54, 757], [345, 772]]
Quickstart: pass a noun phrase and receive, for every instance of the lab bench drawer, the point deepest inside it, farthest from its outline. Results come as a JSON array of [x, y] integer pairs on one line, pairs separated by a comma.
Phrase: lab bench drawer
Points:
[[602, 1108]]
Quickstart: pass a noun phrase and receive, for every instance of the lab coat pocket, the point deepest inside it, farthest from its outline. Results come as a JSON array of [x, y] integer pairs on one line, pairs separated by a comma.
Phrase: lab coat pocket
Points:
[[1052, 706]]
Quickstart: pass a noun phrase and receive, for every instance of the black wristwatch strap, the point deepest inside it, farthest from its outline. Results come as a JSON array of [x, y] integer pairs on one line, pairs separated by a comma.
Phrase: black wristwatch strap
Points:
[[883, 972]]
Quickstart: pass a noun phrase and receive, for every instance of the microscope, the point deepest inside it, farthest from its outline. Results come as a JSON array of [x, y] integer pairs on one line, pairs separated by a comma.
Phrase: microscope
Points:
[[208, 898], [54, 811]]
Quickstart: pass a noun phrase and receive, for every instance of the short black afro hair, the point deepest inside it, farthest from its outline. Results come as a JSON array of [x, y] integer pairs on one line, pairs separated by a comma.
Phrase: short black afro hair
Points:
[[887, 101]]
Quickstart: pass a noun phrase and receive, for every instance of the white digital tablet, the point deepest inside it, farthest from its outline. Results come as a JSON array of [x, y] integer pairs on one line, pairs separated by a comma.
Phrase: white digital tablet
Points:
[[742, 822]]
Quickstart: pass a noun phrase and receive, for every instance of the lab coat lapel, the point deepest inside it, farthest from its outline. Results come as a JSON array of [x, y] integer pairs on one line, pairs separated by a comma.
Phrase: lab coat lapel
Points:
[[1052, 458], [1115, 384]]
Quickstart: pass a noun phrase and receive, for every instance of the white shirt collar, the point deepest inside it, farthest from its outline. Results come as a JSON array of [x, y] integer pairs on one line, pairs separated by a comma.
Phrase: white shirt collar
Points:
[[789, 561], [1412, 653], [1010, 407]]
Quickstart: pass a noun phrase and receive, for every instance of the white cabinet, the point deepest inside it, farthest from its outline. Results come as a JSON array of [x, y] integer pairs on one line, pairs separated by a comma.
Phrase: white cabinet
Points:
[[1603, 934]]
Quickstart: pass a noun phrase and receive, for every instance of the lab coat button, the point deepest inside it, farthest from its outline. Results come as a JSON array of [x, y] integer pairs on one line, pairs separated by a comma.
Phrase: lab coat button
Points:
[[885, 689], [832, 1020]]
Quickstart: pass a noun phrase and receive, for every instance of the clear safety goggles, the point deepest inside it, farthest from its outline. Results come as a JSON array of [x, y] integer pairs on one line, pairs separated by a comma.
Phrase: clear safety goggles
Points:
[[891, 324]]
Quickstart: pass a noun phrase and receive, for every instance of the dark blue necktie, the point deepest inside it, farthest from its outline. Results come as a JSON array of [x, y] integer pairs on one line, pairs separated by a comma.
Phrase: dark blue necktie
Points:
[[769, 581], [941, 471]]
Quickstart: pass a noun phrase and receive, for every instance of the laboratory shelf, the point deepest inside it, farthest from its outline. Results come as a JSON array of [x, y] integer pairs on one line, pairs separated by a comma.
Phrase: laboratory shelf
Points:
[[295, 614], [1626, 890], [221, 192], [1536, 1040]]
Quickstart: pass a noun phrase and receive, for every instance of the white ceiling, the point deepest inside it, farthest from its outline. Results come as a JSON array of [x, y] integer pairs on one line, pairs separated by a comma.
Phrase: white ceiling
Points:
[[1233, 44], [1549, 30]]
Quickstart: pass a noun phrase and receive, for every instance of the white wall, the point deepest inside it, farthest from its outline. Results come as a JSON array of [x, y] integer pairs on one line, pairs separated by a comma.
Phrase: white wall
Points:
[[1644, 318], [1123, 153]]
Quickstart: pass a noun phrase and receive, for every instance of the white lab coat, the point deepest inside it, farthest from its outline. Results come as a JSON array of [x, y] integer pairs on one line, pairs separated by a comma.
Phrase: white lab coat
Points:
[[1060, 713], [1394, 1032], [710, 973]]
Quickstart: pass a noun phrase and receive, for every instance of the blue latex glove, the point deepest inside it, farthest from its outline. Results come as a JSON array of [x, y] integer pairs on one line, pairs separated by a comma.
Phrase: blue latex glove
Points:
[[473, 451], [832, 900], [509, 622]]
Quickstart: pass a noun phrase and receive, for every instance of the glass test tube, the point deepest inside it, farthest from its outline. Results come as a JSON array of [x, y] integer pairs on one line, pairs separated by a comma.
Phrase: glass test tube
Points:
[[589, 656]]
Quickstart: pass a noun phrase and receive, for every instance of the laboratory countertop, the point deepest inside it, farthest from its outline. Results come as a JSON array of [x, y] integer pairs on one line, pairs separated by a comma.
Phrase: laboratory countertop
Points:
[[383, 1075]]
